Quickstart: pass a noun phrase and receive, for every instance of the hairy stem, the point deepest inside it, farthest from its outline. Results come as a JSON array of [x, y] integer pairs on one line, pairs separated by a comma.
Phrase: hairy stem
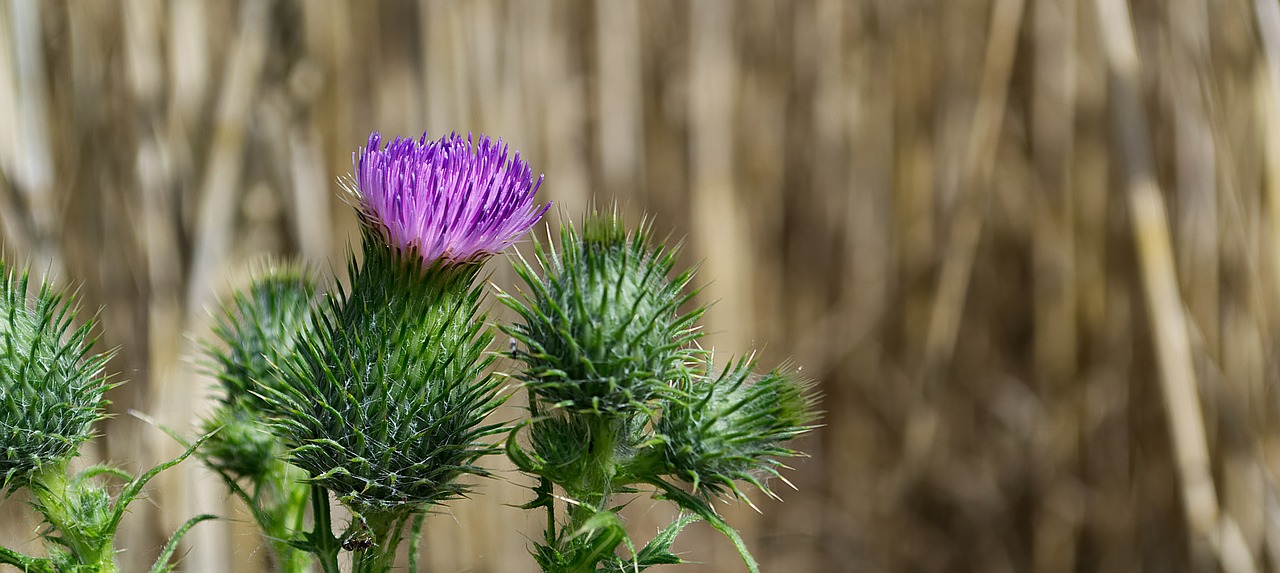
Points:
[[322, 542], [388, 533], [283, 498], [415, 539]]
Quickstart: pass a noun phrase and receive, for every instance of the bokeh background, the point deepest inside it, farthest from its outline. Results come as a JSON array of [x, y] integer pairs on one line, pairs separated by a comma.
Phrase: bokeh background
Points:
[[1029, 249]]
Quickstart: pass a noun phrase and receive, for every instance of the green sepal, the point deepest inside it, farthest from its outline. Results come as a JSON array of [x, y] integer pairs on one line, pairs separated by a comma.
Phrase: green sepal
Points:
[[52, 387], [718, 429], [258, 327], [656, 552], [601, 330], [703, 510]]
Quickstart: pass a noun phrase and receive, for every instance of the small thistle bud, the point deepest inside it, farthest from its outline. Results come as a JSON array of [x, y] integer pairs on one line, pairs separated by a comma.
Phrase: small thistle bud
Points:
[[601, 331], [51, 386], [257, 329], [718, 429], [385, 402]]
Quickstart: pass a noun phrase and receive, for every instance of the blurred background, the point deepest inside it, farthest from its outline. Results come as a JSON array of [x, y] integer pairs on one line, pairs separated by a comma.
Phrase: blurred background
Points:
[[1029, 249]]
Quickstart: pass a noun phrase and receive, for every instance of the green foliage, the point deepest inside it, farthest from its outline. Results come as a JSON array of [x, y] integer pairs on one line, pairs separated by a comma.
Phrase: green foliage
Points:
[[51, 385], [51, 392], [82, 517], [384, 403]]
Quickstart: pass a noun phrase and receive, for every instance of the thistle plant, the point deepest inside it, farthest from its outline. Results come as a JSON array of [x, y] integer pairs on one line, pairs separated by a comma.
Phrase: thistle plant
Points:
[[383, 399], [52, 392], [256, 331], [621, 398]]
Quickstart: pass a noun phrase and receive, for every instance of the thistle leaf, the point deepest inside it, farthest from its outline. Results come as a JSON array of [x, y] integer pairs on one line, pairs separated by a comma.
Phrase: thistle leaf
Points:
[[163, 564]]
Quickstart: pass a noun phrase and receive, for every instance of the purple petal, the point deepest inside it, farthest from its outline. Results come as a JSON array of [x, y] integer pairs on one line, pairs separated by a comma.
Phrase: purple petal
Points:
[[449, 199]]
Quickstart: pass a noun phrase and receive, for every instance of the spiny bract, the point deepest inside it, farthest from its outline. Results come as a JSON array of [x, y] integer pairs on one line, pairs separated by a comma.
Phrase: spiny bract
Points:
[[385, 400], [51, 386], [732, 426]]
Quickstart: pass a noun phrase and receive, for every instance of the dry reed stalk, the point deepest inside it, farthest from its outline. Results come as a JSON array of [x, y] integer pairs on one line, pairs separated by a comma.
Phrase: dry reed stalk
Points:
[[619, 137], [1268, 105], [1059, 517], [32, 164], [1268, 19], [222, 171], [1164, 304], [12, 223], [971, 189]]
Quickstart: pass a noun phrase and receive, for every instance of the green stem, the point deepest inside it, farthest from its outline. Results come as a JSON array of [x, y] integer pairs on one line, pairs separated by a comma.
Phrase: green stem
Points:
[[284, 504], [388, 532], [323, 544], [24, 563], [545, 487], [415, 540], [592, 491], [544, 492], [595, 486]]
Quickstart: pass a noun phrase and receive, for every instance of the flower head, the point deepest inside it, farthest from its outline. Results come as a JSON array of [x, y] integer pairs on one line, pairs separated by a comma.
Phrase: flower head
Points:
[[51, 385], [449, 199]]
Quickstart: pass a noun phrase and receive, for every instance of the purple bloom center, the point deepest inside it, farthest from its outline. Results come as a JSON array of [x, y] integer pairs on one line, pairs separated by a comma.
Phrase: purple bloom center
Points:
[[448, 198]]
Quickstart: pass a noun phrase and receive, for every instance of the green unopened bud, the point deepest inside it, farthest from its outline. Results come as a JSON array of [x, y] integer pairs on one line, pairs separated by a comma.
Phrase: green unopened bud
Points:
[[257, 330], [51, 386], [733, 426], [601, 330]]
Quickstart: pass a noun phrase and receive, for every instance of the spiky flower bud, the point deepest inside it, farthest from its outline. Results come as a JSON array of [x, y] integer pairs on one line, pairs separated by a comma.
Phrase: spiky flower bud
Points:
[[51, 385], [718, 429], [385, 402], [255, 333], [601, 330]]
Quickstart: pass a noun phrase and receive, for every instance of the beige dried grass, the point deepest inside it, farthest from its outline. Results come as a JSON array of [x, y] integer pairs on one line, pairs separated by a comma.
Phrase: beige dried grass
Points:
[[1030, 248]]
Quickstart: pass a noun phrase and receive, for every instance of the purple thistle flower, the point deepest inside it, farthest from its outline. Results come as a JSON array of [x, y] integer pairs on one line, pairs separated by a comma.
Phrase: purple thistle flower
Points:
[[446, 199]]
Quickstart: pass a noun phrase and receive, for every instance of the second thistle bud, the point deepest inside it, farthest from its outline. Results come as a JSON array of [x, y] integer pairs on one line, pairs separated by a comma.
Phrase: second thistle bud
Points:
[[733, 426], [257, 331], [602, 331]]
